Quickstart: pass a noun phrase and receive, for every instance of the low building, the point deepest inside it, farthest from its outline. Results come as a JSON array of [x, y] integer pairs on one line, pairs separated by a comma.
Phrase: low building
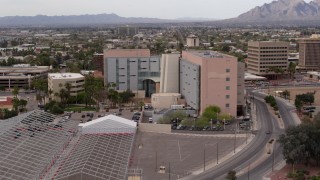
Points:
[[165, 100], [193, 41], [313, 76], [6, 103], [58, 81]]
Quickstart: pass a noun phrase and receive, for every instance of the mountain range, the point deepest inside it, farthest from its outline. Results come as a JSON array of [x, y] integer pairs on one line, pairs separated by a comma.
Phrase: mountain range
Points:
[[283, 10], [279, 11]]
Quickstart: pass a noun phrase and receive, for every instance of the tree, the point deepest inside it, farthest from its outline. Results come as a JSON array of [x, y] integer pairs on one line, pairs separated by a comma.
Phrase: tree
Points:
[[292, 69], [286, 94], [211, 112], [231, 175], [126, 96], [300, 144], [15, 91], [68, 86], [225, 48]]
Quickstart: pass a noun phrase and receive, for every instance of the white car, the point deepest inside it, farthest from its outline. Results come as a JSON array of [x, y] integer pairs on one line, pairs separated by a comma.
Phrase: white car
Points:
[[150, 120]]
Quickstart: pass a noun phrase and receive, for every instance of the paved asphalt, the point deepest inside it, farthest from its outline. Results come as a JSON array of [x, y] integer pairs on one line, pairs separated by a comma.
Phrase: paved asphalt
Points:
[[256, 149]]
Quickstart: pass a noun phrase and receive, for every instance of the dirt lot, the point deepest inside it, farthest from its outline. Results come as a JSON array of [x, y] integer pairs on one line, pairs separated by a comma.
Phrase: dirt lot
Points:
[[300, 90]]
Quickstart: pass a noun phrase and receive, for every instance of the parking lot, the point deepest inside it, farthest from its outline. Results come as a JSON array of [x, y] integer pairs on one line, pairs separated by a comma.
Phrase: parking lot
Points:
[[184, 152]]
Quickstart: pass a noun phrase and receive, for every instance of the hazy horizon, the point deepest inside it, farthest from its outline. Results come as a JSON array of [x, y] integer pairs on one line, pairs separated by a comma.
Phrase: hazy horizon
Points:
[[164, 9]]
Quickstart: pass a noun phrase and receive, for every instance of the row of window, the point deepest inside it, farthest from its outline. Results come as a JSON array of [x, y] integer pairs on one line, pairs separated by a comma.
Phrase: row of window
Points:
[[273, 63], [274, 55], [273, 52], [273, 47]]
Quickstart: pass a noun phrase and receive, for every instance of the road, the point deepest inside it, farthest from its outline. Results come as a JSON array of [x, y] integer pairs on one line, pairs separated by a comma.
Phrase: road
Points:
[[266, 166], [246, 161]]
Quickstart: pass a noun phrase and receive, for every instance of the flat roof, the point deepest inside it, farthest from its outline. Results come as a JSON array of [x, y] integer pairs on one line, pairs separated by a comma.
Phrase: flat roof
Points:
[[314, 73], [209, 54], [65, 75], [249, 76]]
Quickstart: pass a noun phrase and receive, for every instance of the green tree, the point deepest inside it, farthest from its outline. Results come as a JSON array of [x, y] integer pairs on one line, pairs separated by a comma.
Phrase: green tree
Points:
[[15, 91], [211, 112], [300, 144], [292, 69], [232, 175]]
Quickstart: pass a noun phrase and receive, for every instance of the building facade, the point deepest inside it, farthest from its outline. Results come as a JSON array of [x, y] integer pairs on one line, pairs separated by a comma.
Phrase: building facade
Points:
[[209, 78], [169, 78], [21, 76], [309, 53], [264, 57], [193, 41], [132, 69], [241, 88], [98, 62], [57, 81]]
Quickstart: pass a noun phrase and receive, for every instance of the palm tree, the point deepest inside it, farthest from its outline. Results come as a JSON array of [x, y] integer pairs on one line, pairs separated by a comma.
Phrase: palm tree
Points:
[[62, 95], [292, 69], [68, 87], [50, 91], [15, 91]]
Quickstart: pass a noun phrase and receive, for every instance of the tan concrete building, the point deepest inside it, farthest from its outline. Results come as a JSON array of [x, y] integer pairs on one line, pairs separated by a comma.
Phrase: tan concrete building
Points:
[[309, 53], [169, 77], [57, 81], [264, 56], [209, 78], [241, 88], [193, 41]]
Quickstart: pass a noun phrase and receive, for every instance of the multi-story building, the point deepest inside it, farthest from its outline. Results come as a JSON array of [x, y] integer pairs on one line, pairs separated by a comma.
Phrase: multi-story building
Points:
[[21, 76], [58, 81], [98, 62], [193, 41], [133, 69], [209, 78], [267, 57], [241, 88], [127, 30], [169, 79], [309, 53]]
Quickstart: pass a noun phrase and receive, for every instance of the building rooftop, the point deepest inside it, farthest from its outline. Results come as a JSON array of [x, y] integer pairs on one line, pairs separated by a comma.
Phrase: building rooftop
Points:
[[39, 145], [127, 53], [65, 75], [208, 54]]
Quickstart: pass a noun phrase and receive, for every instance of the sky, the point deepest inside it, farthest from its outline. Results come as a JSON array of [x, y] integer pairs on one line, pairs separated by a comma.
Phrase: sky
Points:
[[165, 9]]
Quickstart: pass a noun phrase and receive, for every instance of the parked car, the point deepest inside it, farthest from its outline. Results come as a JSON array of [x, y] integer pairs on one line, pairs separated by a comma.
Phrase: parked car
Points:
[[83, 116], [150, 120]]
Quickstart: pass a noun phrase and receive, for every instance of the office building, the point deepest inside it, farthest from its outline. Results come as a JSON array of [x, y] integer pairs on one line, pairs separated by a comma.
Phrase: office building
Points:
[[57, 81], [169, 78], [267, 57], [98, 62], [193, 41], [309, 53], [127, 30], [209, 78], [133, 69]]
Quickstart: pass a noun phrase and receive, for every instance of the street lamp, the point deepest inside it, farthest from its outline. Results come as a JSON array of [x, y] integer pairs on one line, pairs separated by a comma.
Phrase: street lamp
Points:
[[224, 123]]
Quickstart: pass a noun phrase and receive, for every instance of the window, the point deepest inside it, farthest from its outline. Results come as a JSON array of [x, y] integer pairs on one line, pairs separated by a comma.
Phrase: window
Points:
[[227, 96], [227, 87], [227, 70], [227, 79], [227, 105]]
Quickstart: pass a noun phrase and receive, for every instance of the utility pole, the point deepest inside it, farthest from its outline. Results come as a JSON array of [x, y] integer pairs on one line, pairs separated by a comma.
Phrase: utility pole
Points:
[[218, 153], [204, 159], [169, 170], [235, 140], [156, 161], [249, 171]]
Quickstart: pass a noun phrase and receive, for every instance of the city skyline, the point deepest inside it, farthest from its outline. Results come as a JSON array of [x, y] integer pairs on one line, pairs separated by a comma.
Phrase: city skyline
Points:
[[138, 8]]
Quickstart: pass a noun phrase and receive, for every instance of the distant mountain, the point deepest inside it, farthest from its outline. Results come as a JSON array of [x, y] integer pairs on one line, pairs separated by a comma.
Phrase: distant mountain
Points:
[[283, 10], [194, 19], [99, 19]]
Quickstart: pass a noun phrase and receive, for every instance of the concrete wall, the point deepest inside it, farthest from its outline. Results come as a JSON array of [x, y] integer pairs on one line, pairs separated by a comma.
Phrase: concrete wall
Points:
[[164, 100], [169, 78], [156, 128]]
